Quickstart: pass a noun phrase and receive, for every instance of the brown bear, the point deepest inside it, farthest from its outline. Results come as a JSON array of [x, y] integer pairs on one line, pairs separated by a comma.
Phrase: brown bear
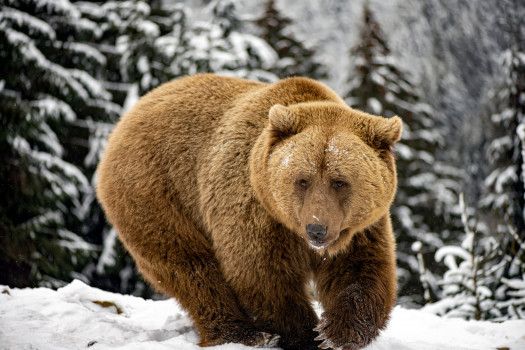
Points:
[[233, 195]]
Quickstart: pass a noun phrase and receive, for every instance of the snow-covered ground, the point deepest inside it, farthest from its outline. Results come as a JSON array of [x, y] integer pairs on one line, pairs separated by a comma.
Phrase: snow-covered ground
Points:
[[78, 316]]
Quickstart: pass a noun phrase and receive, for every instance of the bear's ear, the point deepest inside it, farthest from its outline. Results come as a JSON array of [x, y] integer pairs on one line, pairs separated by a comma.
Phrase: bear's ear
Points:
[[283, 122], [386, 132]]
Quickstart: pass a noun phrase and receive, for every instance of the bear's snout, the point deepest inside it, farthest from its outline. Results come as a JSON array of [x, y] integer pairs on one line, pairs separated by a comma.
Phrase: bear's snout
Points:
[[316, 232]]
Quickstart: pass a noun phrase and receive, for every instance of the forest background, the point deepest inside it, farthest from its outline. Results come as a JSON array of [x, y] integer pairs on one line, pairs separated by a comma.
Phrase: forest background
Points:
[[454, 72]]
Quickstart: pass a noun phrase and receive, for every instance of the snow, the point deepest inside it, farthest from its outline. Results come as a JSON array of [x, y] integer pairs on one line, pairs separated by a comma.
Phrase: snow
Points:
[[374, 106], [86, 25], [246, 43], [416, 246], [504, 116], [72, 241], [451, 251], [516, 284], [108, 255], [168, 45], [92, 86], [49, 139], [41, 220], [404, 152], [37, 27], [87, 51], [131, 98], [286, 159], [332, 148], [51, 107], [498, 146], [63, 7], [49, 161], [501, 177], [79, 316], [148, 28], [31, 56]]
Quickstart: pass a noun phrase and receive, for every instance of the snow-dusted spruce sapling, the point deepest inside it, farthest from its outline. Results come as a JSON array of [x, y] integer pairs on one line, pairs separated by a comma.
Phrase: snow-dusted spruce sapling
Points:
[[232, 194], [510, 293], [472, 273]]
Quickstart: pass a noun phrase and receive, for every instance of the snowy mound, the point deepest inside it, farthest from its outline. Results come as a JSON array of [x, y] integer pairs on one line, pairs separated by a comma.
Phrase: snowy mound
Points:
[[80, 317]]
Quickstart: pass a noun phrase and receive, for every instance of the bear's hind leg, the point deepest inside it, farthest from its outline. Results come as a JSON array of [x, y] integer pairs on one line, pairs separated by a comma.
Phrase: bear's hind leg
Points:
[[178, 260]]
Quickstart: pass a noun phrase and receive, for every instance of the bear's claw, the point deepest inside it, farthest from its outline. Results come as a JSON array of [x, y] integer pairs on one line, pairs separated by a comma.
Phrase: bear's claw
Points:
[[327, 343], [269, 340]]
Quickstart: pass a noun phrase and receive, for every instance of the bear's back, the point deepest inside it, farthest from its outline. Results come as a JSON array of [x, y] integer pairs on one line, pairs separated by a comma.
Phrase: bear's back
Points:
[[152, 154]]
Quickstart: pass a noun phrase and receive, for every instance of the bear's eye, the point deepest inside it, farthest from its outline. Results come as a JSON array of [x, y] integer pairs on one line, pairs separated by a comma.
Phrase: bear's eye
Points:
[[302, 183], [339, 184]]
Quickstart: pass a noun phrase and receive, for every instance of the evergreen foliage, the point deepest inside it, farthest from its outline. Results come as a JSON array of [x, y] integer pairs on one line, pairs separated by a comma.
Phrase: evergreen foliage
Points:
[[473, 271], [510, 293], [220, 47], [485, 275], [294, 58], [44, 97], [505, 183], [425, 208], [138, 43], [505, 187]]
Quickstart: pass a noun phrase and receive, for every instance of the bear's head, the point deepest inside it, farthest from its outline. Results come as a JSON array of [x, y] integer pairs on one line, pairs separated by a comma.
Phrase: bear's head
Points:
[[325, 171]]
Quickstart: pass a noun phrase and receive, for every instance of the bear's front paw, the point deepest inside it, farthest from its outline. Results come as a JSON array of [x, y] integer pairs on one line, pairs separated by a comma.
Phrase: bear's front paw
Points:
[[338, 335], [352, 323]]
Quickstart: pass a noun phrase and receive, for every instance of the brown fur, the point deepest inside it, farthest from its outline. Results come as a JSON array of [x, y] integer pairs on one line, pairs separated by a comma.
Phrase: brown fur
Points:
[[211, 181]]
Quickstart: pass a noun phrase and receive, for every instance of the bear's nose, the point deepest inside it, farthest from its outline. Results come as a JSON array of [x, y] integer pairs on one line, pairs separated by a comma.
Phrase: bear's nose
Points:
[[316, 232]]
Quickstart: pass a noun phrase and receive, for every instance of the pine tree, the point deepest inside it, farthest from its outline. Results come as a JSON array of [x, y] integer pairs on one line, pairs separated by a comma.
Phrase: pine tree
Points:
[[43, 100], [425, 208], [294, 58], [505, 183]]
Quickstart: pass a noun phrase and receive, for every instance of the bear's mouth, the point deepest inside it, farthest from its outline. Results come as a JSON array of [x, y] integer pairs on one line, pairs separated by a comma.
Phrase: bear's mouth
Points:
[[318, 245]]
